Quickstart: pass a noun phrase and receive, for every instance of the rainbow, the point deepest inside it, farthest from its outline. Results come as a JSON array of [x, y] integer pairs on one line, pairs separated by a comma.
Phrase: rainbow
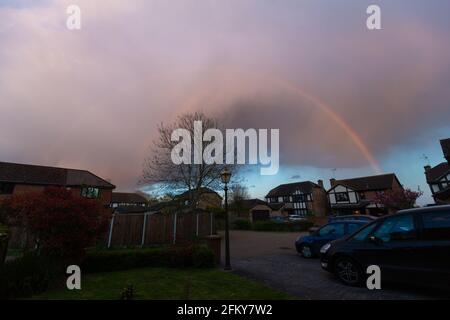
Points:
[[194, 100], [354, 136]]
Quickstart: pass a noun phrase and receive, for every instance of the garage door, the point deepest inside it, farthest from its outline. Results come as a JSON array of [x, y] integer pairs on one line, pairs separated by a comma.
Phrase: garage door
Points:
[[259, 215]]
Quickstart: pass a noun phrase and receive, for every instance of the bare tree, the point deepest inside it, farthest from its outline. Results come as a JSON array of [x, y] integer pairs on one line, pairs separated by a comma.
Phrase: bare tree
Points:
[[239, 192], [161, 170]]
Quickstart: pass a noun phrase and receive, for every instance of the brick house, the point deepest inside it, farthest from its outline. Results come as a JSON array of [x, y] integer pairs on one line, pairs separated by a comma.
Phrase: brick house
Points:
[[255, 210], [357, 196], [18, 178], [438, 177], [300, 198]]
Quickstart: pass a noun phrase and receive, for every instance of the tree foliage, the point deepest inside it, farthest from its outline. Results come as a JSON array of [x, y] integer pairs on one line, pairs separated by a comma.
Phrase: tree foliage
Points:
[[60, 223], [398, 199]]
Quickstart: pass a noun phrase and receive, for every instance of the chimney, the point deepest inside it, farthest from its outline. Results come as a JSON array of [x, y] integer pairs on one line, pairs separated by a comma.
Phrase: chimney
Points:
[[427, 168], [320, 183], [445, 144], [332, 182]]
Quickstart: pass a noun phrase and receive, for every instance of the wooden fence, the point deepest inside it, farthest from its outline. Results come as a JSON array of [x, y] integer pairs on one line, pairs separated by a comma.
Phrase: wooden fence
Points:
[[151, 229]]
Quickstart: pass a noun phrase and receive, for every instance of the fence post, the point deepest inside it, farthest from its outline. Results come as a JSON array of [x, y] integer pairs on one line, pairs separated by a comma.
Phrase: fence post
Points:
[[144, 229], [211, 222], [111, 227], [196, 228], [175, 228]]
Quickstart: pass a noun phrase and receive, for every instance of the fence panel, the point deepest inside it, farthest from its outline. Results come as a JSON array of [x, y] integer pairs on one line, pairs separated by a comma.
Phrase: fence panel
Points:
[[127, 230], [154, 229]]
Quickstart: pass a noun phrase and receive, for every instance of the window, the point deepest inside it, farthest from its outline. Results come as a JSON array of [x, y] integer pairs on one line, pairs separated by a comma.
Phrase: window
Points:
[[435, 188], [362, 235], [90, 192], [286, 199], [299, 198], [342, 197], [6, 188], [436, 226], [352, 227], [335, 229], [396, 229]]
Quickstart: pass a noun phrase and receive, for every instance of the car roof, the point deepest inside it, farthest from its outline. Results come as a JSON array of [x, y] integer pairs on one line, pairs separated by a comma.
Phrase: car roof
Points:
[[425, 209], [349, 221], [353, 216]]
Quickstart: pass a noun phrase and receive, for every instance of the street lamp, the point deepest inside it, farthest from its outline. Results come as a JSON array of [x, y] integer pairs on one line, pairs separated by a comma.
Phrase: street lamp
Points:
[[225, 176]]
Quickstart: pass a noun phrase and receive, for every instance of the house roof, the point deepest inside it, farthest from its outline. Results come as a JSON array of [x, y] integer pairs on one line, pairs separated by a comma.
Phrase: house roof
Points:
[[131, 209], [437, 172], [277, 206], [127, 197], [290, 188], [202, 190], [379, 182], [43, 175], [251, 203]]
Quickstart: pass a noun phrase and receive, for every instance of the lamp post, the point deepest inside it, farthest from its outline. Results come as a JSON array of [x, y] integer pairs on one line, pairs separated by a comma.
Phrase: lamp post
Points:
[[225, 176]]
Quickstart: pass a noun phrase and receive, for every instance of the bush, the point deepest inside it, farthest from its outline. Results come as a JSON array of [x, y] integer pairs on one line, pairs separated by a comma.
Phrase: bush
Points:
[[124, 259], [62, 223], [26, 276], [242, 224]]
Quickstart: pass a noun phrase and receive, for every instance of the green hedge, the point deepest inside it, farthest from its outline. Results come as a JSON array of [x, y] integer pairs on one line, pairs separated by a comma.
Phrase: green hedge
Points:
[[242, 224], [269, 225], [25, 276], [123, 259]]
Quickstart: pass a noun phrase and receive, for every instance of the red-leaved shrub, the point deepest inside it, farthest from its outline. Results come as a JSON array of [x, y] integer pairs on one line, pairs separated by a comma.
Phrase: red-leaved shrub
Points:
[[61, 223]]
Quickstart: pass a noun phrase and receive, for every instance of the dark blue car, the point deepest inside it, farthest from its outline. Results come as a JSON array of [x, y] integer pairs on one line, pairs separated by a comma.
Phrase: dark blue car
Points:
[[309, 246], [358, 217]]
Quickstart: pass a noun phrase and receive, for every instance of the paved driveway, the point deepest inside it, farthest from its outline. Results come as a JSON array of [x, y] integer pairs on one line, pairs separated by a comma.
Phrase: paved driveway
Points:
[[271, 258]]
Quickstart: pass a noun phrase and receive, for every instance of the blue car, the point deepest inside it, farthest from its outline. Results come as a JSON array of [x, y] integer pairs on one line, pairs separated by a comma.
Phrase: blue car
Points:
[[358, 217], [309, 246]]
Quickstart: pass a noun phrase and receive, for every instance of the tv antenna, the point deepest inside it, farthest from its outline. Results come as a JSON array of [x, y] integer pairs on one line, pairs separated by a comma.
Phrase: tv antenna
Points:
[[425, 157]]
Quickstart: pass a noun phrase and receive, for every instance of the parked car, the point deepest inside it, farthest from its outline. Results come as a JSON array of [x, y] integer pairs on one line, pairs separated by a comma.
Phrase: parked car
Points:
[[309, 246], [278, 219], [411, 246], [295, 217], [358, 217]]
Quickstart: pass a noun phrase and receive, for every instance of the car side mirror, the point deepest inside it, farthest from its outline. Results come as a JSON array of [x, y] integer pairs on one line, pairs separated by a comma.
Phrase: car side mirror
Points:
[[376, 241]]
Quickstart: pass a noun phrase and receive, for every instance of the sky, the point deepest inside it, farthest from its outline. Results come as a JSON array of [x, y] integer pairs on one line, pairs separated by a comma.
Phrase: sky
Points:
[[92, 98]]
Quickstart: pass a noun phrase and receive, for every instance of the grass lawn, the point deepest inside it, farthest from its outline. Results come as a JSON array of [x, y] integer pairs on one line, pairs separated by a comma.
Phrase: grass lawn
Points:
[[166, 283]]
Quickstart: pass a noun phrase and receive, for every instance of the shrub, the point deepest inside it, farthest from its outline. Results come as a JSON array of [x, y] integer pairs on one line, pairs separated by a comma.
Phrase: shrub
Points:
[[62, 223], [242, 224], [128, 292], [124, 259], [203, 257], [26, 276]]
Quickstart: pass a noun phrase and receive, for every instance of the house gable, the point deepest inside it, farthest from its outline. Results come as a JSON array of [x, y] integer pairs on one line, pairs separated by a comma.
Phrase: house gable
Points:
[[342, 194]]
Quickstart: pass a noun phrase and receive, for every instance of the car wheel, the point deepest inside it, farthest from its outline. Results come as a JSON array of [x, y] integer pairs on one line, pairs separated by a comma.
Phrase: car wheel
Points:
[[306, 251], [348, 271]]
